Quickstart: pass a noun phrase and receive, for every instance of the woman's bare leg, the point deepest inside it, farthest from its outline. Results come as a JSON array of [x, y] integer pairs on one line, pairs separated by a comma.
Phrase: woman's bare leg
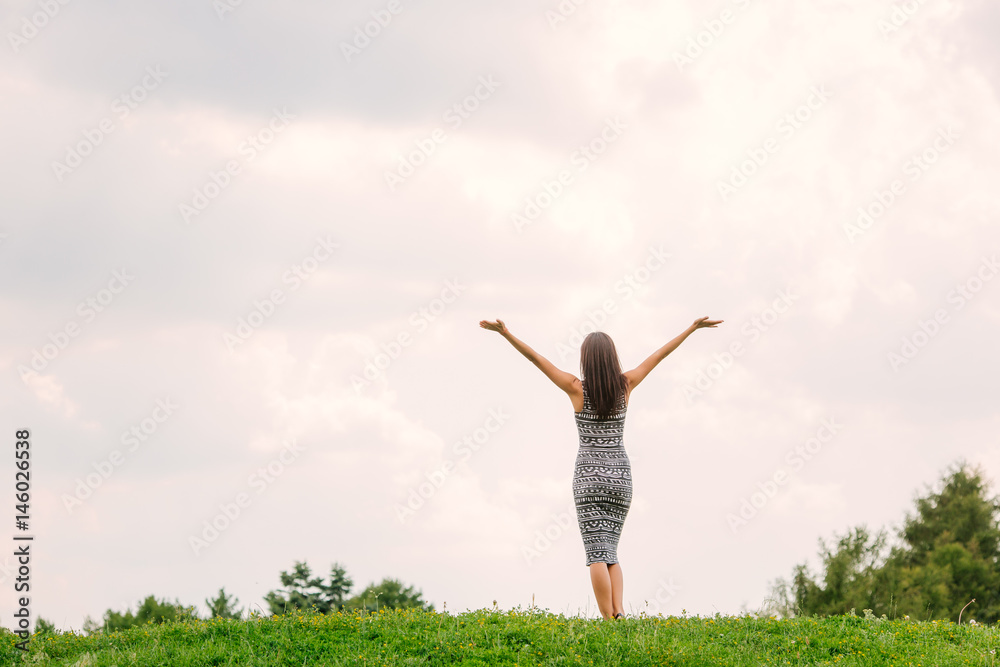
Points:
[[601, 580], [615, 574]]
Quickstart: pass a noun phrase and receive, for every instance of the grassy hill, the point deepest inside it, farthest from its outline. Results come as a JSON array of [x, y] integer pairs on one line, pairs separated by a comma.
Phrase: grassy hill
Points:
[[518, 637]]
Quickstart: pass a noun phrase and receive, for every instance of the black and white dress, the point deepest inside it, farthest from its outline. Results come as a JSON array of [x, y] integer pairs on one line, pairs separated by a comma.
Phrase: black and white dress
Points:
[[602, 481]]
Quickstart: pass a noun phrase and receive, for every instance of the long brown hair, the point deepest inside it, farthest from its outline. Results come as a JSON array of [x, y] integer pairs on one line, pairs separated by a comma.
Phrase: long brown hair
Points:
[[602, 373]]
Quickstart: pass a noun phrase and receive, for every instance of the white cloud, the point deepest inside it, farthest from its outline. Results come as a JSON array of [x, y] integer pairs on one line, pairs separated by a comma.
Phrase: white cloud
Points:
[[655, 185]]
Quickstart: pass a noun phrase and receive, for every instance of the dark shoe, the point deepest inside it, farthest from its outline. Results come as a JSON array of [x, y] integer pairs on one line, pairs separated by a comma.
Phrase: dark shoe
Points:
[[619, 615]]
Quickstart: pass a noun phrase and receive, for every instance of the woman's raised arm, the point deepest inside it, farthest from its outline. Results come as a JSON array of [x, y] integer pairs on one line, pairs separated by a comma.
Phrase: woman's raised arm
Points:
[[562, 379], [637, 374]]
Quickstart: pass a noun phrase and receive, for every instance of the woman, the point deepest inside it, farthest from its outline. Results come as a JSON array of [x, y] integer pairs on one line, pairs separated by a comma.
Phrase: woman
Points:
[[602, 478]]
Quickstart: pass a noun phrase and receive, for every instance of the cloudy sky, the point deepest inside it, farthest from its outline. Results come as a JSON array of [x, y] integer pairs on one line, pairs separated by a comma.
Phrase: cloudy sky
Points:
[[245, 248]]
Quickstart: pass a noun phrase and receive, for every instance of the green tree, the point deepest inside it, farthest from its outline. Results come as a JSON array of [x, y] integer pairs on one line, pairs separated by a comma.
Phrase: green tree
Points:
[[853, 577], [951, 550], [90, 626], [303, 591], [389, 594], [946, 553], [45, 627], [150, 610], [224, 606]]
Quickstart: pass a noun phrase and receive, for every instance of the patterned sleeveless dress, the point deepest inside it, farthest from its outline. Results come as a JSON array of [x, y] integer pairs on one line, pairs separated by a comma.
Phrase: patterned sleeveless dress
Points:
[[602, 481]]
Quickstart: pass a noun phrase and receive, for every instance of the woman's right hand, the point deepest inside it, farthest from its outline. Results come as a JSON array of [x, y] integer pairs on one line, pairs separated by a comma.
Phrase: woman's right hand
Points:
[[705, 323], [497, 326]]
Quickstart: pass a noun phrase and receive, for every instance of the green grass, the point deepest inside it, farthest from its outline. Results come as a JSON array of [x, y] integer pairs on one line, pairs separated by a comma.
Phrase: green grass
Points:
[[518, 637]]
